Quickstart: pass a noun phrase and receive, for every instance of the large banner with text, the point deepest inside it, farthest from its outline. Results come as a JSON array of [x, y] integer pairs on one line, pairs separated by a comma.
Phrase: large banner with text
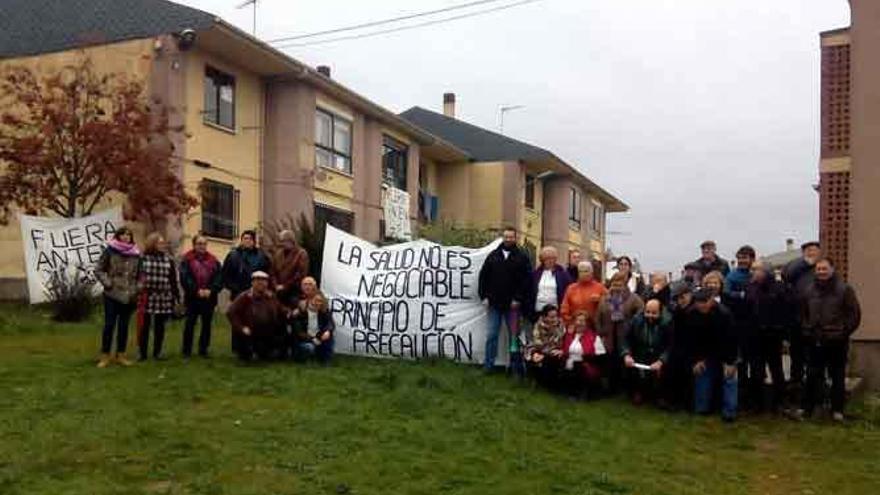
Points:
[[64, 247], [412, 300]]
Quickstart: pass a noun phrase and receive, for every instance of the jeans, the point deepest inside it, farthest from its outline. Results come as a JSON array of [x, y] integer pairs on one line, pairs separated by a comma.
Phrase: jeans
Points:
[[831, 356], [116, 316], [511, 317], [705, 388], [158, 324], [322, 352], [203, 310]]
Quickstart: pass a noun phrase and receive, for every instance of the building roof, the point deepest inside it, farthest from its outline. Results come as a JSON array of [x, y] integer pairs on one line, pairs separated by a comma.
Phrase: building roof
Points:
[[782, 258], [486, 146], [30, 27], [33, 27], [481, 144]]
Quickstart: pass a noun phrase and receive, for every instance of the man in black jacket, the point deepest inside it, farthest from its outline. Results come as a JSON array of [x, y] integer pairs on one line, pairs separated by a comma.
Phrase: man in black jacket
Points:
[[798, 275], [830, 314], [710, 261], [770, 315], [710, 349], [504, 284]]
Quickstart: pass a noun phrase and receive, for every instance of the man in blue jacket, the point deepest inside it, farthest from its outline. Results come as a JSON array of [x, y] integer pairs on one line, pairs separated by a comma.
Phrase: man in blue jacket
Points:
[[734, 297]]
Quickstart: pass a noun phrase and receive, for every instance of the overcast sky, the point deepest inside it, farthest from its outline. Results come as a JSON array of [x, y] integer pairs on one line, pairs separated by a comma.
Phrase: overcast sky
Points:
[[703, 116]]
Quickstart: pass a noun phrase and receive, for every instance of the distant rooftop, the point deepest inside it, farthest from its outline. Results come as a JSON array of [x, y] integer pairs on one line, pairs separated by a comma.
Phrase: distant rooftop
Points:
[[487, 146]]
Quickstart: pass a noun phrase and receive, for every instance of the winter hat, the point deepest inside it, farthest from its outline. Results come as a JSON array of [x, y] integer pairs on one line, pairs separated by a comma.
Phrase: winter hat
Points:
[[678, 288], [702, 295]]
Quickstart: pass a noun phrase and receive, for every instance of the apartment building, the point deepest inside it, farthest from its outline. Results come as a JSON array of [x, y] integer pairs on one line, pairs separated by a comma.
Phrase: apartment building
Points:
[[505, 181], [265, 136]]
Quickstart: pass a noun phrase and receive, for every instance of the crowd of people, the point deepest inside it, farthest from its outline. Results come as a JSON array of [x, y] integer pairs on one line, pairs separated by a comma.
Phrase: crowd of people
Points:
[[276, 310], [703, 343]]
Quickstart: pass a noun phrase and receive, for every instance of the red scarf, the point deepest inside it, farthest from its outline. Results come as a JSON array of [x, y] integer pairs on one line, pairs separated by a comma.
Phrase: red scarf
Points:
[[202, 266]]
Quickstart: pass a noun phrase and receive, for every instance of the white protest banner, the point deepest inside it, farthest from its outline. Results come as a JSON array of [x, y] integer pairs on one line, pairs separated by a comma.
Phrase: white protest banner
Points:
[[409, 300], [68, 246], [396, 206]]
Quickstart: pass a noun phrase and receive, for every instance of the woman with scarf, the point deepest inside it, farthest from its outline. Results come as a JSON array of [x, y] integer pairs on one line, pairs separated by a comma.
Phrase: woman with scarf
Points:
[[615, 313], [544, 353], [202, 280], [157, 274], [117, 272], [634, 282]]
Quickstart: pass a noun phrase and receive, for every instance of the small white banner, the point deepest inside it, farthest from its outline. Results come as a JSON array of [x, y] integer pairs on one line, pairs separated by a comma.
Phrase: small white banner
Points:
[[67, 246], [411, 300], [397, 224]]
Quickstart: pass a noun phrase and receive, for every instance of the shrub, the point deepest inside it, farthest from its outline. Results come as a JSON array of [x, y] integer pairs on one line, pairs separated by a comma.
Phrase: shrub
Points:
[[451, 234], [71, 294]]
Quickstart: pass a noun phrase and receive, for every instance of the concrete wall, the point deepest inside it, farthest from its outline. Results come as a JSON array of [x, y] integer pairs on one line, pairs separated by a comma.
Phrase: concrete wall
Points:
[[289, 151], [532, 218], [294, 184], [234, 155], [486, 209], [454, 191], [864, 249]]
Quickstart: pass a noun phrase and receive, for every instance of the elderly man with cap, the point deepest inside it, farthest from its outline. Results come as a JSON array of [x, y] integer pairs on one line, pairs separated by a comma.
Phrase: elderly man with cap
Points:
[[799, 275], [709, 347], [257, 320], [710, 261]]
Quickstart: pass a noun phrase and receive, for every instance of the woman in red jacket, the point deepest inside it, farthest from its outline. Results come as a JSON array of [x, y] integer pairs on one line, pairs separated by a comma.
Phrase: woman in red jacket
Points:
[[579, 354]]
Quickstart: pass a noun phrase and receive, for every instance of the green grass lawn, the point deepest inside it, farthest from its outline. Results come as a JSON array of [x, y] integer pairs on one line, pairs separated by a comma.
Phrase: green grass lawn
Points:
[[373, 427]]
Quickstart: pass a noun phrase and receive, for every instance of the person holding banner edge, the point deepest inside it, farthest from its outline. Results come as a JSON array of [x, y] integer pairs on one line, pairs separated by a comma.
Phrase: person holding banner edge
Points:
[[504, 285], [117, 272]]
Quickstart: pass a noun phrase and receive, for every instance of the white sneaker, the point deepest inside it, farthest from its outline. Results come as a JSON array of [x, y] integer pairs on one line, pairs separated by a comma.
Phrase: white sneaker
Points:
[[837, 417], [798, 415]]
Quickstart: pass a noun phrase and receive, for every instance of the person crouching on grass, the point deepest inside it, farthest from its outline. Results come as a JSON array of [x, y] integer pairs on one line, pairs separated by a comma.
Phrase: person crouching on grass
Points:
[[579, 353], [256, 318], [710, 348], [544, 354], [647, 342], [313, 325]]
